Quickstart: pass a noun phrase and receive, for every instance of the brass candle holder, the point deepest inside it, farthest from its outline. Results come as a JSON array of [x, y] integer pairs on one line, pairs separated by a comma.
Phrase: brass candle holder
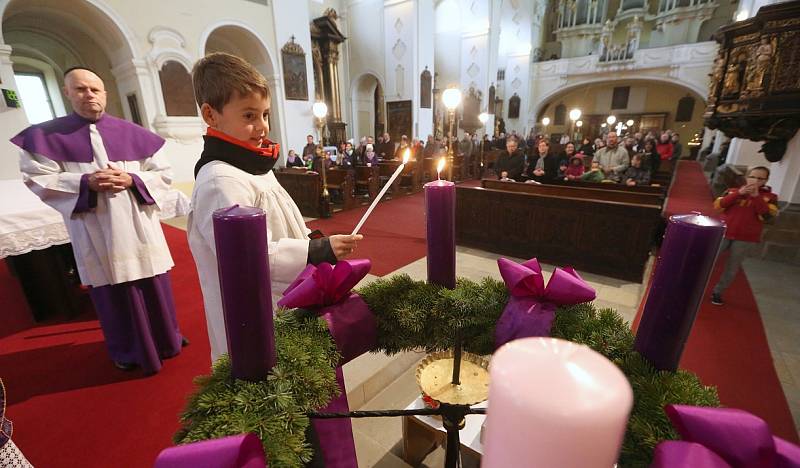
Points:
[[434, 377]]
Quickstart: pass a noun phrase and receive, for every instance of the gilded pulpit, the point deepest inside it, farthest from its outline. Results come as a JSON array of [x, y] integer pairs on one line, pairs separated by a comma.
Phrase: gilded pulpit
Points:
[[754, 91]]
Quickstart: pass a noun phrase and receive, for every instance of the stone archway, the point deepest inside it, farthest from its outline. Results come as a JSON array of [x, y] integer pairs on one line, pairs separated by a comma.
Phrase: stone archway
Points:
[[240, 40], [651, 104], [88, 34], [368, 106]]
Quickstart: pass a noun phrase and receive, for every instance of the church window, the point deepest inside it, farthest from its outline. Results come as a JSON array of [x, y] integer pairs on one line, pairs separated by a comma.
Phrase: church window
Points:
[[619, 99], [560, 115], [36, 100], [685, 109], [176, 88]]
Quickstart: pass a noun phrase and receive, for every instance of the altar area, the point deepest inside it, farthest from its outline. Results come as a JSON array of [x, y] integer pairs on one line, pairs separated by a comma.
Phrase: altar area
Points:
[[373, 381]]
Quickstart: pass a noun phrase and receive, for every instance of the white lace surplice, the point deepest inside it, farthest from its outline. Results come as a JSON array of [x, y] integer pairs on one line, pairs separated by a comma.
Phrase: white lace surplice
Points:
[[220, 185]]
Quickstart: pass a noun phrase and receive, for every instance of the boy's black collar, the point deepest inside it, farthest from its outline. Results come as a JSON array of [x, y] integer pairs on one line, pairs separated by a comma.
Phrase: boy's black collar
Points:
[[249, 160]]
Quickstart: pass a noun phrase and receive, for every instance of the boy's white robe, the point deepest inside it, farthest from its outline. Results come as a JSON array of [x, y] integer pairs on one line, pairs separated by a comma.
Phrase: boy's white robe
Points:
[[220, 185]]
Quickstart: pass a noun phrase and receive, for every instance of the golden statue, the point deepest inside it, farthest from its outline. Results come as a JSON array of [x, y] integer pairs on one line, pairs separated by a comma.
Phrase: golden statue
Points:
[[763, 58], [716, 76], [732, 83]]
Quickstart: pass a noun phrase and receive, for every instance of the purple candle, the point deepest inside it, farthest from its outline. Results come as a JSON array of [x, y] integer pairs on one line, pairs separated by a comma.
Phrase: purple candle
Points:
[[240, 233], [682, 271], [440, 210]]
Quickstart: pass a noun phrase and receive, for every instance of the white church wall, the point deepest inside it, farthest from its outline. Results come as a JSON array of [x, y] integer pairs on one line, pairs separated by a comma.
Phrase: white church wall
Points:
[[366, 59], [399, 19], [296, 116], [425, 57], [448, 40]]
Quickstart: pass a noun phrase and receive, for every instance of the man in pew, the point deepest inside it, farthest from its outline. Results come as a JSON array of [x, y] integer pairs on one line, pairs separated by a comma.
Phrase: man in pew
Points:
[[636, 174], [613, 158], [511, 162]]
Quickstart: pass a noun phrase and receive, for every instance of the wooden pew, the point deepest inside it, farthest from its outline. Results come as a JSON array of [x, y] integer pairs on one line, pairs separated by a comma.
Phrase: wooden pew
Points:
[[566, 191], [343, 181], [367, 178], [610, 238], [386, 169], [305, 188], [656, 189], [412, 176]]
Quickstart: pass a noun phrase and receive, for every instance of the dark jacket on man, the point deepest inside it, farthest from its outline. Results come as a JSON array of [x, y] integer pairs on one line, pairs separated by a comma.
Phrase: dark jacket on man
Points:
[[513, 164]]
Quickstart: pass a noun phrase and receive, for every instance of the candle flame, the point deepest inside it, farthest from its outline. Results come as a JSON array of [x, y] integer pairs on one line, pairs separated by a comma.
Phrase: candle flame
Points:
[[406, 156], [439, 167]]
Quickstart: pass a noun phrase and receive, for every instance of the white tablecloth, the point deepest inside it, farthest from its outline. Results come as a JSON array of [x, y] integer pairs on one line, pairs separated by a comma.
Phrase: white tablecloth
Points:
[[28, 224], [470, 436]]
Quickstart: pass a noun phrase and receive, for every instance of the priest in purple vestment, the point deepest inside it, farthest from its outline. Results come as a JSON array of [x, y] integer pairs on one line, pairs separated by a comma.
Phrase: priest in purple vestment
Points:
[[108, 178]]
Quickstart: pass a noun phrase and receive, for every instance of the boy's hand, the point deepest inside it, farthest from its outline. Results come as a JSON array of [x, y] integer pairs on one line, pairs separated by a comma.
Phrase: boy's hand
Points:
[[344, 245]]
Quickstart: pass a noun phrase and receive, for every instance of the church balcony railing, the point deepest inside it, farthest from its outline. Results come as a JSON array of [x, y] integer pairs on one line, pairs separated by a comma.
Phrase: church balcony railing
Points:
[[665, 6], [690, 62]]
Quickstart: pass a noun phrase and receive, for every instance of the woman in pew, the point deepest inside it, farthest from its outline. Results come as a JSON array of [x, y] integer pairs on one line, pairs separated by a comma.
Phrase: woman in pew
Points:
[[564, 159], [543, 165], [348, 158], [635, 174], [293, 160], [370, 156], [650, 157], [587, 148], [664, 147]]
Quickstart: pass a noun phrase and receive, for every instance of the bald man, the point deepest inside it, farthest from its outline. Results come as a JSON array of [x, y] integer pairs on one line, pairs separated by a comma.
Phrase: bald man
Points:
[[108, 177]]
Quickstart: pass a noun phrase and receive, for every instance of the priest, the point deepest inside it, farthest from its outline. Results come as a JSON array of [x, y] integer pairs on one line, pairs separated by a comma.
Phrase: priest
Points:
[[107, 177]]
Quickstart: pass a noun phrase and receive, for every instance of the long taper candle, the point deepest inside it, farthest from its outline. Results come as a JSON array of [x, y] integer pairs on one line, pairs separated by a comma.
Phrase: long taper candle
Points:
[[397, 172], [240, 234], [440, 214], [684, 265]]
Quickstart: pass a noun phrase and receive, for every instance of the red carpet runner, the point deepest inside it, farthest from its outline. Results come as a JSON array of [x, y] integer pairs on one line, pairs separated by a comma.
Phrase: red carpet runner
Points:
[[728, 347], [394, 234], [71, 407]]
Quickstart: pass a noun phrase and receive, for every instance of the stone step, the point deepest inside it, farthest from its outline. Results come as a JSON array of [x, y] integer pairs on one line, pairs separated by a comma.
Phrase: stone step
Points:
[[367, 375]]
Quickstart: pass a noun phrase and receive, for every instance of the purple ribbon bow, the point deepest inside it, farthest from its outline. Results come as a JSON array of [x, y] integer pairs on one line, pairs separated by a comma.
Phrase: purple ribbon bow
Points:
[[323, 284], [239, 451], [531, 306], [722, 438]]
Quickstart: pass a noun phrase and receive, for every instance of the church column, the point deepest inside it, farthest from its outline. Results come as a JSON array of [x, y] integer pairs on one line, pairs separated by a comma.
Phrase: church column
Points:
[[335, 110], [138, 92], [327, 38]]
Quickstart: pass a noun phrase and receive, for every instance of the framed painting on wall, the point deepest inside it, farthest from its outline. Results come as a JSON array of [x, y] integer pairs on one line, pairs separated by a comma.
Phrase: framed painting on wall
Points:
[[399, 118], [295, 79]]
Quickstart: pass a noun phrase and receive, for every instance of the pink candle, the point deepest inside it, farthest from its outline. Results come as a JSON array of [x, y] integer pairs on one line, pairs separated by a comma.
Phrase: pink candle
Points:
[[440, 213], [554, 403]]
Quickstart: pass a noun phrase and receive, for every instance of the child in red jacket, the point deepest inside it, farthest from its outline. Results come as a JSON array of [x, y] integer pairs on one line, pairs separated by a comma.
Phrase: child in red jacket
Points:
[[744, 211]]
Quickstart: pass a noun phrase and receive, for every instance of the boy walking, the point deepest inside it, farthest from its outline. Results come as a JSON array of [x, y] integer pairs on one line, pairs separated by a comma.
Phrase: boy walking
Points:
[[744, 210]]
